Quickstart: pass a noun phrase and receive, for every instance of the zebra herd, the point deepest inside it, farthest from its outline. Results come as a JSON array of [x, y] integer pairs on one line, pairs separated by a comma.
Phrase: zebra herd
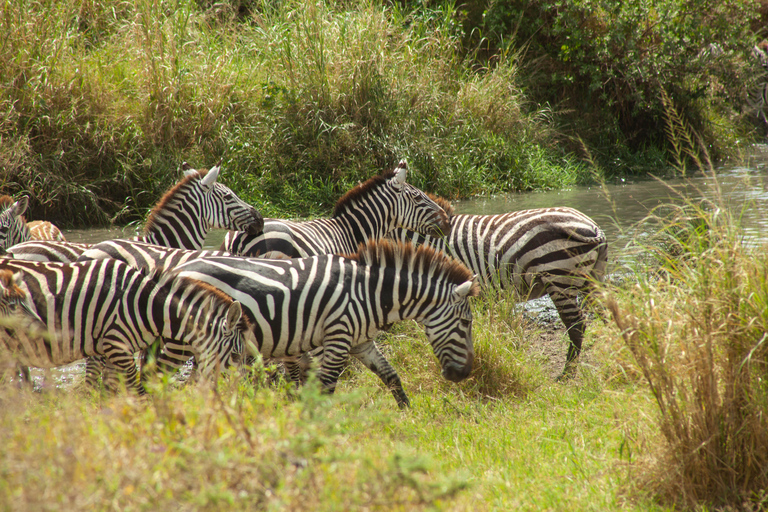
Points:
[[282, 290]]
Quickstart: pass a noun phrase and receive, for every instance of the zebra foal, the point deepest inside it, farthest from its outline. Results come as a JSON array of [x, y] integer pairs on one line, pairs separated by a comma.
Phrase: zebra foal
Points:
[[558, 252], [181, 218], [341, 302], [107, 308], [15, 229]]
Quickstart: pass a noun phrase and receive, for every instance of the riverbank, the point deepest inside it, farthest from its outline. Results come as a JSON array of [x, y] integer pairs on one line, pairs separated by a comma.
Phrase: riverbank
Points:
[[301, 100]]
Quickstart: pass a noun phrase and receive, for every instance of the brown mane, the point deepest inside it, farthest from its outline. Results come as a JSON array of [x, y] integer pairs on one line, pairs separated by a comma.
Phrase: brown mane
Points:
[[5, 202], [168, 197], [442, 203], [387, 253], [212, 293], [361, 191]]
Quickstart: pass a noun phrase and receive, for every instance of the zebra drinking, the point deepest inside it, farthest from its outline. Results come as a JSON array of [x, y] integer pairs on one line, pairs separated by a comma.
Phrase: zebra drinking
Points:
[[108, 308], [556, 251]]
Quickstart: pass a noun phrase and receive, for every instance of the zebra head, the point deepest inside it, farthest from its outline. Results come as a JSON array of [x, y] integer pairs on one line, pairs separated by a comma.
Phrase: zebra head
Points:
[[16, 308], [221, 207], [449, 330], [13, 226], [208, 320], [415, 210]]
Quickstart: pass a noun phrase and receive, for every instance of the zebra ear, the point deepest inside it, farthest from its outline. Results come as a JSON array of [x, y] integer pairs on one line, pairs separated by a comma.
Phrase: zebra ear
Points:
[[401, 172], [462, 291], [210, 177], [234, 314], [20, 206]]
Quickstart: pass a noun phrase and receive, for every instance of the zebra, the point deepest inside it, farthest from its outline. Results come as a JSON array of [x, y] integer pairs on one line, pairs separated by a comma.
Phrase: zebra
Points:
[[340, 303], [181, 218], [366, 212], [557, 251], [105, 307], [15, 229]]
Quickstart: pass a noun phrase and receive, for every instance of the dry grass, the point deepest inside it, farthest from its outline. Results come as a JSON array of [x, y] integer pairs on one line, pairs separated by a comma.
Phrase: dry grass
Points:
[[697, 331]]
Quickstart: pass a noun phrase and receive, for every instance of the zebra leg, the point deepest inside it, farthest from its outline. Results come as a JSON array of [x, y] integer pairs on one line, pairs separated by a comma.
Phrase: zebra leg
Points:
[[567, 304], [369, 354], [95, 366], [335, 356], [119, 362]]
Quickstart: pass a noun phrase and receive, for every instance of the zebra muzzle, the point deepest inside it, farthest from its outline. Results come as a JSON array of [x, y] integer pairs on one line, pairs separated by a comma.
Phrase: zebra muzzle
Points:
[[255, 224], [456, 372]]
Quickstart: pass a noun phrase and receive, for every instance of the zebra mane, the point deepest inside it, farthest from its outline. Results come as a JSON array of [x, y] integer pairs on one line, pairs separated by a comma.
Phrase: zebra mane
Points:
[[387, 253], [442, 203], [210, 293], [362, 191], [169, 196]]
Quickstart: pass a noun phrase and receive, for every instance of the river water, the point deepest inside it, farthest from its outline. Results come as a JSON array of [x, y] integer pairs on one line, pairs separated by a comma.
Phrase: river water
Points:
[[618, 207]]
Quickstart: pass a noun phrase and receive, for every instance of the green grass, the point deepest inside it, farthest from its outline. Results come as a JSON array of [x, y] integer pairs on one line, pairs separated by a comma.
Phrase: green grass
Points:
[[507, 438], [301, 100]]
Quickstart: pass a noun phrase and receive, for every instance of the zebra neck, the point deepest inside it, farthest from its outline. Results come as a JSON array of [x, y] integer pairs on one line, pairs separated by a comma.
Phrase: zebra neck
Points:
[[177, 230], [363, 222]]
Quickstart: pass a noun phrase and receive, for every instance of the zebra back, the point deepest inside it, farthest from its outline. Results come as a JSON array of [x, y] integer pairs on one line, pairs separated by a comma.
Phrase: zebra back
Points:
[[144, 256], [367, 212], [107, 308], [44, 230], [183, 216]]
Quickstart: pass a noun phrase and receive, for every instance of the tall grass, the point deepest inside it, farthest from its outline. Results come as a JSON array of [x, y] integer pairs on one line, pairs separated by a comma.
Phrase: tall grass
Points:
[[101, 102]]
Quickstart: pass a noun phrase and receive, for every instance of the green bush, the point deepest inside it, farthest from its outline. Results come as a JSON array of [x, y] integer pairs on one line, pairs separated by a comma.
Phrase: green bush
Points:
[[605, 63]]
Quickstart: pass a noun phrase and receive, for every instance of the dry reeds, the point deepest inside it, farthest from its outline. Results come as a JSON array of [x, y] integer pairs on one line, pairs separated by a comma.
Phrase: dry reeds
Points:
[[698, 331]]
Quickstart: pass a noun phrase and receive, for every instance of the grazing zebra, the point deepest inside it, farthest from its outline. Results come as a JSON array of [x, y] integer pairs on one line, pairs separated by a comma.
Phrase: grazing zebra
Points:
[[181, 218], [341, 302], [107, 308], [554, 251], [367, 212], [757, 95]]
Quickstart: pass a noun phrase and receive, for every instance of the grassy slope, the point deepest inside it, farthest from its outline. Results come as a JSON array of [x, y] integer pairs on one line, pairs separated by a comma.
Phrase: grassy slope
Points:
[[102, 101]]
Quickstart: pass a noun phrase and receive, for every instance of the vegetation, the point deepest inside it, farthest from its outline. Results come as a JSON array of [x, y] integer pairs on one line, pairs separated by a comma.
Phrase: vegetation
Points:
[[667, 411], [100, 102]]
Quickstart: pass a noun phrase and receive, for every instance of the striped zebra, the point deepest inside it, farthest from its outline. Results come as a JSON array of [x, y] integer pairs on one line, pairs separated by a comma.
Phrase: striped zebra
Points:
[[107, 308], [181, 218], [341, 302], [367, 212], [558, 252], [14, 228]]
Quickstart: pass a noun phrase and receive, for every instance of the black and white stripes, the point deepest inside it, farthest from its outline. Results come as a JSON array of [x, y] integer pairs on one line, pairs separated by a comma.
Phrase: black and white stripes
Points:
[[340, 302], [107, 308], [367, 212], [556, 251]]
